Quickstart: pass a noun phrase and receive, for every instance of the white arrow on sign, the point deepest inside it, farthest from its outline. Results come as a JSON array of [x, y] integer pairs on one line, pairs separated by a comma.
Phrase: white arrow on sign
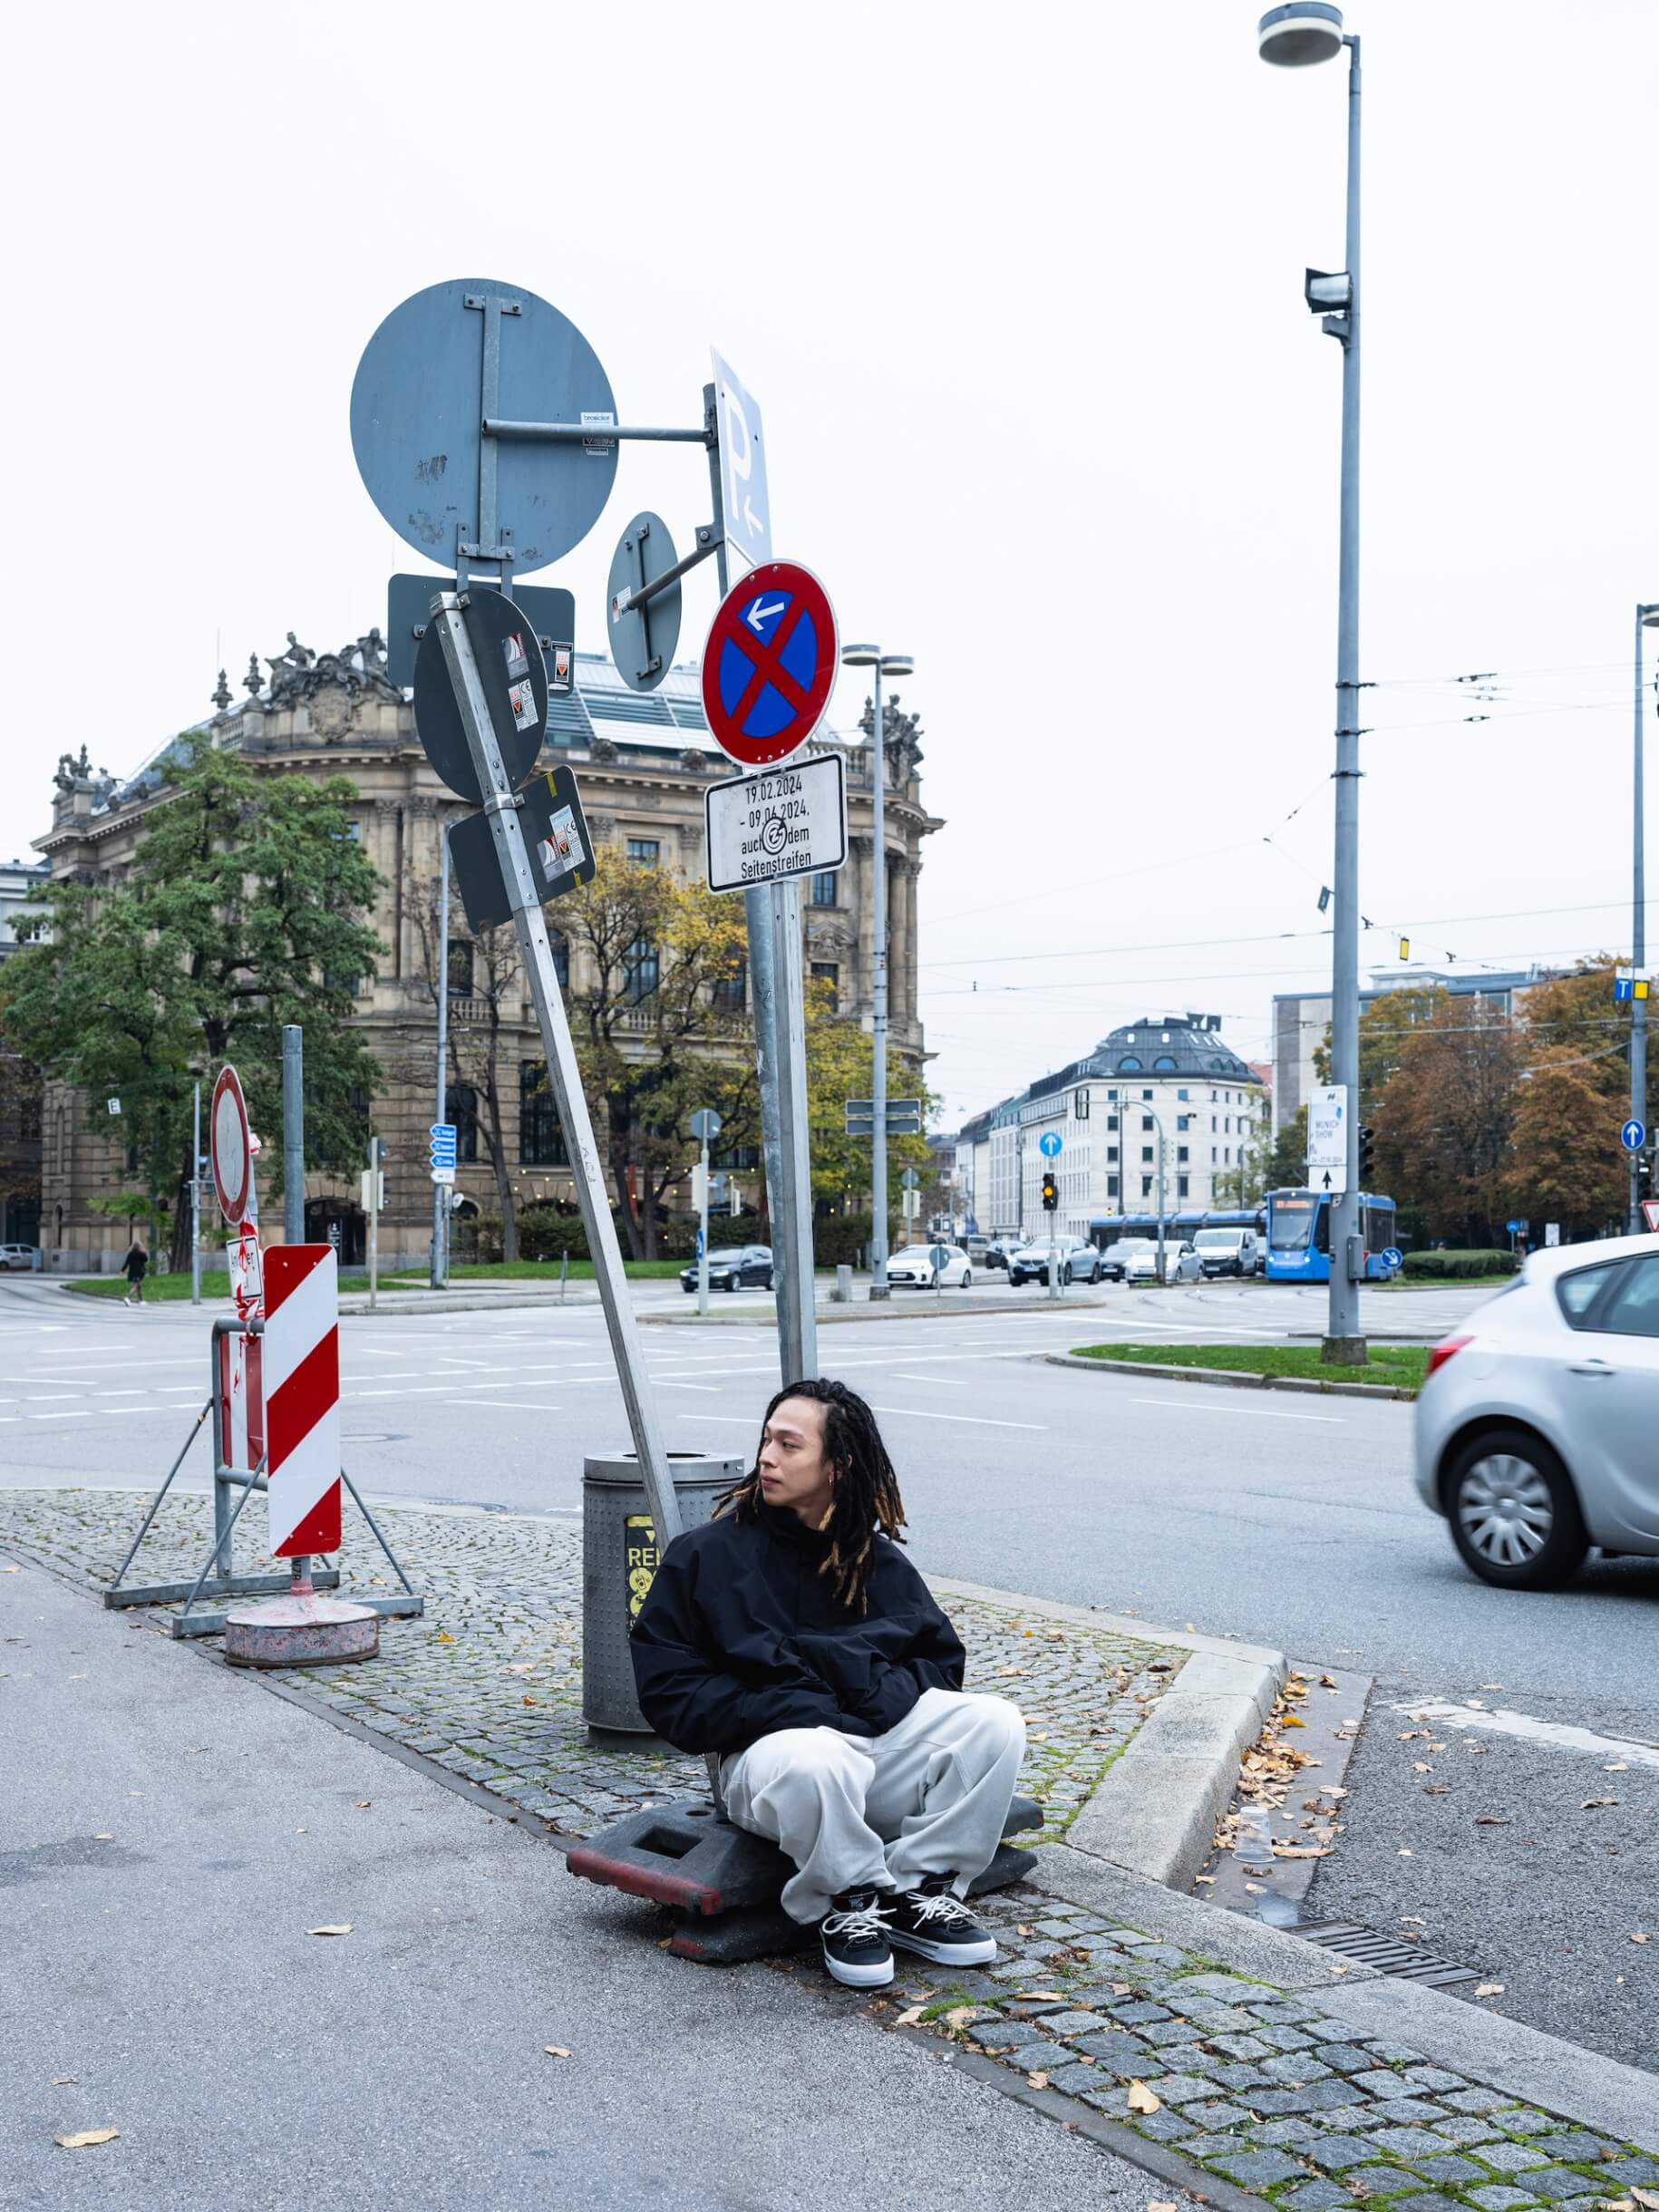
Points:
[[755, 613]]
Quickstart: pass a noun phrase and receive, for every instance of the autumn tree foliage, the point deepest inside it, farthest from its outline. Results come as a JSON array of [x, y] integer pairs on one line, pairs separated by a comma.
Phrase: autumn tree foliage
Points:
[[1565, 1162], [1444, 1118]]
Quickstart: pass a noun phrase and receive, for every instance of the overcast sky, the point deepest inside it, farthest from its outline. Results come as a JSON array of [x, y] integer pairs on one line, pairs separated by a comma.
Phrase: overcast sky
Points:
[[1019, 291]]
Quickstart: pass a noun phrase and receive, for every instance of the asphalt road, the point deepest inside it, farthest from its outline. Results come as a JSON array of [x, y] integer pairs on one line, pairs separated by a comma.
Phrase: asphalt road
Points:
[[1285, 1520]]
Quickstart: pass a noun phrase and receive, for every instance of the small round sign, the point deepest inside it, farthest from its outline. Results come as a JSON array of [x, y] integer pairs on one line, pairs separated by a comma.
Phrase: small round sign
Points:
[[769, 665], [515, 679], [1393, 1258], [1632, 1136], [939, 1254], [230, 1148], [1051, 1144], [643, 639]]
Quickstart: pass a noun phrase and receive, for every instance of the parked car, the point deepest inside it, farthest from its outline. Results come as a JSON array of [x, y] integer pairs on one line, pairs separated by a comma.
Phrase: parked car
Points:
[[15, 1256], [1535, 1426], [997, 1253], [913, 1264], [1134, 1259], [1079, 1262], [1229, 1252], [732, 1266]]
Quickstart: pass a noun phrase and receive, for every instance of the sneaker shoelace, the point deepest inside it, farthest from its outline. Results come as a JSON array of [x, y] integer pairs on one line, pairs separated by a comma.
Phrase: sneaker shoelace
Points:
[[859, 1922], [943, 1905]]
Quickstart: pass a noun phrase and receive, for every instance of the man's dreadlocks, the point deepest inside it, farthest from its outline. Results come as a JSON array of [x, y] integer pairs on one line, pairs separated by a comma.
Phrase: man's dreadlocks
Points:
[[866, 1496]]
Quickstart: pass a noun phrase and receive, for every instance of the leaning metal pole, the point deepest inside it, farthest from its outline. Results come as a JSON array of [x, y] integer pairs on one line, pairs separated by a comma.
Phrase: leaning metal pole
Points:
[[879, 1010], [441, 1191], [1344, 1341], [535, 951], [1639, 952]]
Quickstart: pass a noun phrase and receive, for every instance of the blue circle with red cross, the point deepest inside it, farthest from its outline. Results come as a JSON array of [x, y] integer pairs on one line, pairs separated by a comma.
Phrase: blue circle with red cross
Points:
[[769, 663]]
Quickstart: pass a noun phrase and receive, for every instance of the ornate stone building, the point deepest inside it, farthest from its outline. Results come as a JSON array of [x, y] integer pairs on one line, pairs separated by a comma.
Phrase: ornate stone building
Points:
[[642, 761]]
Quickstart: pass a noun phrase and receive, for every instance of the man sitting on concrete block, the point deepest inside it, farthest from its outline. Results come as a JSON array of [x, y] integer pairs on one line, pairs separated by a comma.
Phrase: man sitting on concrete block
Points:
[[793, 1637]]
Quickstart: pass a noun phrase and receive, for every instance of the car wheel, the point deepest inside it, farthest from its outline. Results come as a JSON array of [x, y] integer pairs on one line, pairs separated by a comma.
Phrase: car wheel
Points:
[[731, 1281], [767, 1280], [968, 1278], [1066, 1273], [1513, 1511]]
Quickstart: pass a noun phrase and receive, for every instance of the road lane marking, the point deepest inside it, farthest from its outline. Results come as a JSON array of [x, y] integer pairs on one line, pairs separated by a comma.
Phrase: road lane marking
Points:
[[974, 1420], [933, 1382], [1261, 1412], [57, 1417], [1444, 1712]]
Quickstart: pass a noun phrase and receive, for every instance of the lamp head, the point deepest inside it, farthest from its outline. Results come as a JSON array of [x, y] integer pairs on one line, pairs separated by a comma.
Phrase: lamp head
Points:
[[897, 665], [860, 657], [1303, 32], [1650, 618]]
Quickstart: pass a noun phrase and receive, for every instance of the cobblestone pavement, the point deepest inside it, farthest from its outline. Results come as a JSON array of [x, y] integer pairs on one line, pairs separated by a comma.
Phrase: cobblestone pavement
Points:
[[488, 1683], [1250, 2083]]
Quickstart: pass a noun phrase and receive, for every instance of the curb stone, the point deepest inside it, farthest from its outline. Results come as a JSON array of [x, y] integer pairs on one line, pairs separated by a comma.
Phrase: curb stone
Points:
[[1155, 1809], [1227, 1378]]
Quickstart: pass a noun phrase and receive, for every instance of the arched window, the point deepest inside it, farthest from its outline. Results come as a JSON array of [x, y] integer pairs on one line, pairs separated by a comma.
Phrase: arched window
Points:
[[1163, 1060], [1128, 1064]]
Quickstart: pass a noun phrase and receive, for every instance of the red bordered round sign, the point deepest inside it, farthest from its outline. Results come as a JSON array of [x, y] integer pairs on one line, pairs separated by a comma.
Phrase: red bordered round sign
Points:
[[229, 1149], [769, 665]]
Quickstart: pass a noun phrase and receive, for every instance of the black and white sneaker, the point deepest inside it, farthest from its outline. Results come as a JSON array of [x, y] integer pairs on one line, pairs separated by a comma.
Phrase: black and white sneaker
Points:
[[932, 1921], [856, 1950]]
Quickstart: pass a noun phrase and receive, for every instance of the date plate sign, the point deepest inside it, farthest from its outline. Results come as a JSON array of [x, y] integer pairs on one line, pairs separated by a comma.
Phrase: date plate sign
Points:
[[790, 821]]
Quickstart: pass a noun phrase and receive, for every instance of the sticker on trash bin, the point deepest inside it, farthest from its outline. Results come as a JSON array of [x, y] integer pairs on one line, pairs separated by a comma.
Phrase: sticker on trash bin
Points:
[[639, 1535]]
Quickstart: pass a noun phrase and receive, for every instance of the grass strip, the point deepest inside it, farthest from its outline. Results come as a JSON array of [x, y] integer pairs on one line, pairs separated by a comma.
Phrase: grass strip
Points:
[[1395, 1366]]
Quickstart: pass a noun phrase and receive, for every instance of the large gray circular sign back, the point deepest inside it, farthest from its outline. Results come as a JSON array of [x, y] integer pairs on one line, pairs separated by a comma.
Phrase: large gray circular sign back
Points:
[[420, 397], [643, 638], [515, 679]]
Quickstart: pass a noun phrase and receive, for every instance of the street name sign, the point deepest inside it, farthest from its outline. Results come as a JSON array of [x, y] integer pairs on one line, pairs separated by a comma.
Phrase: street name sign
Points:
[[787, 822], [742, 467], [904, 1118], [1050, 1144], [770, 664], [549, 609]]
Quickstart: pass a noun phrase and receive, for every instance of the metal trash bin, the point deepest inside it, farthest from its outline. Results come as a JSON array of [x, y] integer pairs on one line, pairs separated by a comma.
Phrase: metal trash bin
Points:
[[620, 1556]]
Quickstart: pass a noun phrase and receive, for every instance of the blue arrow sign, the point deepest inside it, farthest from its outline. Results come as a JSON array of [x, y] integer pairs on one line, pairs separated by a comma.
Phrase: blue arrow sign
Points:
[[1049, 1144], [1634, 1135], [1393, 1257]]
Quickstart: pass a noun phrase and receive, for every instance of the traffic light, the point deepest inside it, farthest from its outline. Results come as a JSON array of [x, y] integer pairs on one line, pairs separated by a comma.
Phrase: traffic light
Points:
[[1050, 1191], [1368, 1155]]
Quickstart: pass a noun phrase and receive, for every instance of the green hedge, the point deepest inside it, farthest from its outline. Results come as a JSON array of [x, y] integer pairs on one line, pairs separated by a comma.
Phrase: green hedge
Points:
[[1458, 1267]]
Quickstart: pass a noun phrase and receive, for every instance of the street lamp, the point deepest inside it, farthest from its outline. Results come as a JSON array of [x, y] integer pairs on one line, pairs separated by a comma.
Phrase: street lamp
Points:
[[882, 664], [1295, 36], [1647, 619]]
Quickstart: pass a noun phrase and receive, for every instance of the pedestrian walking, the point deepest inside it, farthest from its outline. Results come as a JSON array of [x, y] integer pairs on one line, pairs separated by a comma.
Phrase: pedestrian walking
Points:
[[793, 1637], [134, 1266]]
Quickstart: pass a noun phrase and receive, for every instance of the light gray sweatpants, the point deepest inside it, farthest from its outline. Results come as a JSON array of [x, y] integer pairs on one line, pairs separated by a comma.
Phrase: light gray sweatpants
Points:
[[873, 1812]]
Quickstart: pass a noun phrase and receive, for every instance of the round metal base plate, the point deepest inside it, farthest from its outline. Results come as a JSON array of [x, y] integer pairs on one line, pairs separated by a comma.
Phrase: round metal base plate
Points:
[[301, 1632]]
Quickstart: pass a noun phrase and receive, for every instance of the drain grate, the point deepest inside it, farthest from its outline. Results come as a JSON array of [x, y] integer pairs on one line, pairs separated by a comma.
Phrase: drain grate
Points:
[[1406, 1961]]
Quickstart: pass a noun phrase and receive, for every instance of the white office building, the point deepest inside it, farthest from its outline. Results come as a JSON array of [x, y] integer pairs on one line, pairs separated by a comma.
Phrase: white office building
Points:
[[1167, 1085]]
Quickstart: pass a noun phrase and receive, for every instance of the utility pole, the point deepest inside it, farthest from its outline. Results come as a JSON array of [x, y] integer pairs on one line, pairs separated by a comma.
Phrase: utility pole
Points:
[[196, 1199], [441, 1191], [1647, 617], [293, 1133]]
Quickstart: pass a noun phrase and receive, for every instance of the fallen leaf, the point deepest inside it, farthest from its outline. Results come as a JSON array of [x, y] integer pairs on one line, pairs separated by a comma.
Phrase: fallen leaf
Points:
[[1591, 1804], [1037, 2081], [1491, 1685], [556, 2051], [1291, 1720], [1492, 1820], [1620, 1766], [958, 2018], [1406, 1734], [1038, 1996], [1490, 1989], [1338, 1965], [332, 1927], [363, 1804], [1121, 1989], [83, 2142], [1403, 1852], [1254, 1889], [1326, 1682], [1332, 1789], [104, 1835], [1141, 2100], [1196, 1877], [1436, 1789], [64, 2080], [1639, 1938], [1418, 1766], [1650, 2198], [909, 2017]]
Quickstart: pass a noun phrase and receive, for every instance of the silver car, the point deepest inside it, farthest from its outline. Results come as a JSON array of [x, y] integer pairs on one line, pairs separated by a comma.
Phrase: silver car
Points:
[[1536, 1427]]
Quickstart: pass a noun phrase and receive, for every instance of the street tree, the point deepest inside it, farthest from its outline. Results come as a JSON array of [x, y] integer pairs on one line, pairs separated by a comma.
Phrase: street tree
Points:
[[1443, 1120], [238, 915], [838, 1069], [1565, 1162]]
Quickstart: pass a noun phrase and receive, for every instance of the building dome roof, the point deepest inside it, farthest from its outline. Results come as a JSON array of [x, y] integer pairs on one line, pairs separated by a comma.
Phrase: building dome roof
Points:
[[1172, 1046]]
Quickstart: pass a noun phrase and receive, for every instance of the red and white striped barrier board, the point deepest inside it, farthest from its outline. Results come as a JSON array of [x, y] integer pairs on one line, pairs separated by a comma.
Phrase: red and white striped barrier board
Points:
[[301, 1377]]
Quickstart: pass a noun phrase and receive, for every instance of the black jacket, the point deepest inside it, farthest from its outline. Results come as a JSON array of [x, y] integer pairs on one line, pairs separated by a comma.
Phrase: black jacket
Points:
[[741, 1635]]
